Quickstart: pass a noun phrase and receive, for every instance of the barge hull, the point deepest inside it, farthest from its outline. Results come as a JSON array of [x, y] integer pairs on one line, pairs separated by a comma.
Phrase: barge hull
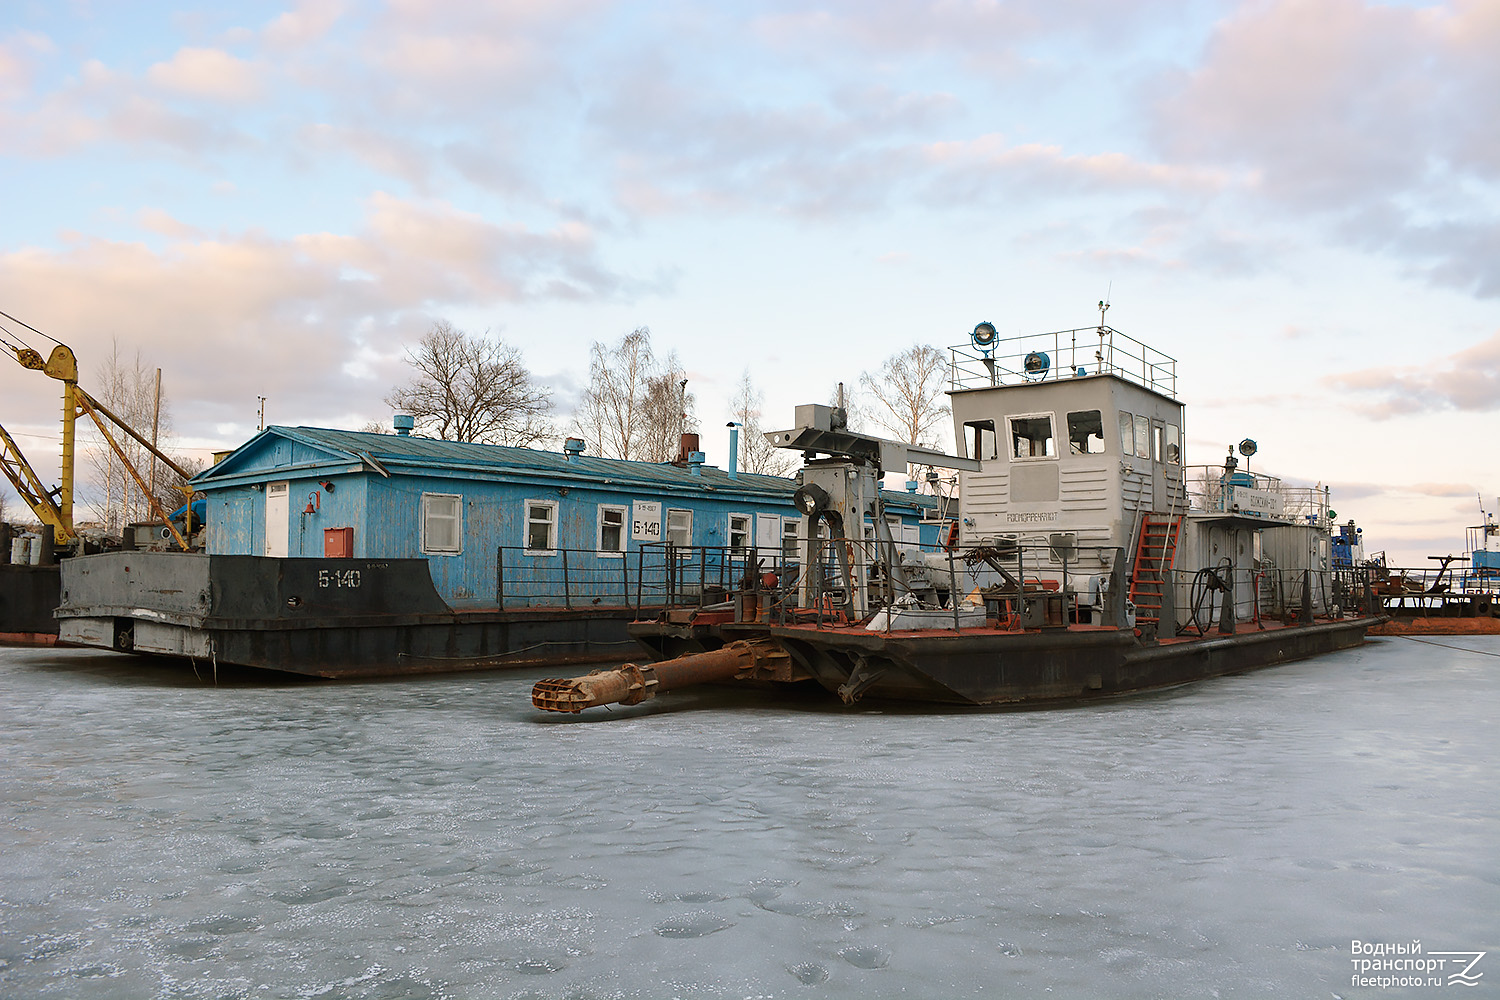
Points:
[[336, 618], [989, 667], [28, 595]]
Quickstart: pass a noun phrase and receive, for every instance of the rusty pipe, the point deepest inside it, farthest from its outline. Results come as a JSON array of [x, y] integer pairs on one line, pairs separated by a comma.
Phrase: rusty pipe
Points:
[[632, 683]]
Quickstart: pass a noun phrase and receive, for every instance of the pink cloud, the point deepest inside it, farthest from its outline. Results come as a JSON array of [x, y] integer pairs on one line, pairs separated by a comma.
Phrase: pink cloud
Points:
[[1467, 380], [231, 315], [207, 74], [310, 22]]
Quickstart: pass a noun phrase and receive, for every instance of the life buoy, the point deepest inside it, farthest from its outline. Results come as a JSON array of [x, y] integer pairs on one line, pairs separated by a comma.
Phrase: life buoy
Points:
[[952, 538]]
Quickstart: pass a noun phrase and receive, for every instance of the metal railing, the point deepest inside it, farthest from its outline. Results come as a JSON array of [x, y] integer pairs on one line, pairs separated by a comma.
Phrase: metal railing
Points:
[[1210, 489], [1062, 354], [1452, 587]]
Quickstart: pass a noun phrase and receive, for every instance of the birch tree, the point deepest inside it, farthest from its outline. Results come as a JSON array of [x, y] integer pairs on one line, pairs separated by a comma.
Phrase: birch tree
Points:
[[472, 388], [757, 455], [130, 389], [635, 406], [906, 395]]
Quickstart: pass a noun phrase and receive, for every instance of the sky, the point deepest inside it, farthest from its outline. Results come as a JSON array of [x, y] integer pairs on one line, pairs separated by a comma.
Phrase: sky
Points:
[[1299, 200]]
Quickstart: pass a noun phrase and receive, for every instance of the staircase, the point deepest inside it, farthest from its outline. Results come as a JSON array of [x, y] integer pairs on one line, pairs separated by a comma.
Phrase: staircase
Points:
[[1154, 555]]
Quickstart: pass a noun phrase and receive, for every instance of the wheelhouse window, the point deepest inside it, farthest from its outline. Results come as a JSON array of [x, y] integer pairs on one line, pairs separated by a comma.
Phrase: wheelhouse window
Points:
[[1127, 433], [1031, 437], [1142, 436], [679, 527], [739, 534], [1085, 432], [611, 530], [1173, 455], [442, 523], [541, 526], [980, 439]]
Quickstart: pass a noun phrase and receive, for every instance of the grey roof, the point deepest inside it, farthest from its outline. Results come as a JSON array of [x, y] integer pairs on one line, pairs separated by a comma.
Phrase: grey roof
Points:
[[417, 453]]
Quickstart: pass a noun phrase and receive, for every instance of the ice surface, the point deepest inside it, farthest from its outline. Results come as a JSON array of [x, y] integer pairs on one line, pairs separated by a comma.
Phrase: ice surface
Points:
[[163, 836]]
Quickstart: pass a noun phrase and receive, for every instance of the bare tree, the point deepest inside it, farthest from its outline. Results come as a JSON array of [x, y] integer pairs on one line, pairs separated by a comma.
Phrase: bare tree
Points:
[[470, 388], [669, 411], [131, 390], [757, 455], [634, 407], [906, 395]]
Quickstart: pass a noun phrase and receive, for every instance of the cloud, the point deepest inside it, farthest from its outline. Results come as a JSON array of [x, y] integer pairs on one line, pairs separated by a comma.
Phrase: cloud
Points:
[[1375, 118], [987, 166], [1467, 381], [309, 23], [18, 54], [299, 318], [207, 74]]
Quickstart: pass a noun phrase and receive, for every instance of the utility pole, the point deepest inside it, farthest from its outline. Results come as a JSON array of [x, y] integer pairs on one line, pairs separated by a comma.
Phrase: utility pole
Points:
[[155, 427]]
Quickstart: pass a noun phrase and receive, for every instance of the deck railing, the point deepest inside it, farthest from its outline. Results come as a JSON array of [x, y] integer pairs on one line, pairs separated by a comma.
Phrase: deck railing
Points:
[[1062, 354], [1058, 586]]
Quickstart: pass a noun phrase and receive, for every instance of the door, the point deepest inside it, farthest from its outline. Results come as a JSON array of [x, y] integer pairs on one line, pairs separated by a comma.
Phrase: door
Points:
[[278, 519], [768, 540]]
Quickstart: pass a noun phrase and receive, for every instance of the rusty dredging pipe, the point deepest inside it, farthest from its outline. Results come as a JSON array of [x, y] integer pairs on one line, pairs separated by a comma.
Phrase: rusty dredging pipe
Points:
[[632, 683]]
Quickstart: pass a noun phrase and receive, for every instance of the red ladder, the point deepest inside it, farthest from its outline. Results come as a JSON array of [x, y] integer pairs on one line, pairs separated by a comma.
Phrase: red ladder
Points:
[[1154, 555]]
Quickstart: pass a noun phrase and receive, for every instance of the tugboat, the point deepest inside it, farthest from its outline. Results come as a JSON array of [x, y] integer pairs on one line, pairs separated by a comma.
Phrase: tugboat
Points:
[[1084, 560]]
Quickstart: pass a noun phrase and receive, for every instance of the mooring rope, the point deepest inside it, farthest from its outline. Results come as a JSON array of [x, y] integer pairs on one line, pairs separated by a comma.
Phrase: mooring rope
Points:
[[1461, 649]]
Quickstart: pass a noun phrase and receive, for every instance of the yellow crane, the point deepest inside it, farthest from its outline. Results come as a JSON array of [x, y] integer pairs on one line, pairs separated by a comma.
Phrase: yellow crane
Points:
[[55, 507]]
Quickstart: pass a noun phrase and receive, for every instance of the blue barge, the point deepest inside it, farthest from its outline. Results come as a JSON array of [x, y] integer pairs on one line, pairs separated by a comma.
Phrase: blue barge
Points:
[[340, 554]]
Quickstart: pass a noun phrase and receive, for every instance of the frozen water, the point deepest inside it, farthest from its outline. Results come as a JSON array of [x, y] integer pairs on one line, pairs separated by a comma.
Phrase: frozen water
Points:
[[163, 836]]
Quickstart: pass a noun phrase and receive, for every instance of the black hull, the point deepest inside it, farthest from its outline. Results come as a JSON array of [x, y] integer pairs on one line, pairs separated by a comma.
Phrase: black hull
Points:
[[987, 667], [337, 618], [28, 596]]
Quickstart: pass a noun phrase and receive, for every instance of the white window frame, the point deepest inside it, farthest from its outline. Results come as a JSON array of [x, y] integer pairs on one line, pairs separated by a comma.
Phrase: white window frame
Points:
[[1010, 436], [791, 529], [526, 522], [624, 526], [748, 532], [429, 501], [669, 530]]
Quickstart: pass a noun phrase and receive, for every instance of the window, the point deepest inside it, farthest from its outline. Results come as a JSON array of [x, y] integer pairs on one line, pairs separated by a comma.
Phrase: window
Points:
[[739, 534], [611, 530], [1142, 436], [1086, 433], [1127, 434], [541, 526], [1031, 437], [679, 527], [1173, 454], [442, 523], [789, 540], [979, 435]]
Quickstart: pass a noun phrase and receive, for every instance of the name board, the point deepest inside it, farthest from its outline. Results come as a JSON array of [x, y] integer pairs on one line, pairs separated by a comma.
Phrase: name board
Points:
[[645, 520], [1262, 503], [1031, 517]]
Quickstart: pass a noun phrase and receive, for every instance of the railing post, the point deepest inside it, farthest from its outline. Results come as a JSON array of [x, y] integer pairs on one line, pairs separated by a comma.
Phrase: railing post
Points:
[[953, 590], [500, 577], [567, 589]]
